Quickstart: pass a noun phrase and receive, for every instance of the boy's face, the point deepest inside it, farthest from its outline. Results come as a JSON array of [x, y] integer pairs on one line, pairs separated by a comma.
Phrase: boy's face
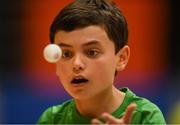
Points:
[[88, 64]]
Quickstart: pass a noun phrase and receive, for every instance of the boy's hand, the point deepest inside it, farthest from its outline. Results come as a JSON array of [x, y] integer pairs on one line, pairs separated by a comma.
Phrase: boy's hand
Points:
[[109, 119]]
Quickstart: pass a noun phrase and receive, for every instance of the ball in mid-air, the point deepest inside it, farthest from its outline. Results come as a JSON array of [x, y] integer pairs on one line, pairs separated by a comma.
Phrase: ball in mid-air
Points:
[[52, 53]]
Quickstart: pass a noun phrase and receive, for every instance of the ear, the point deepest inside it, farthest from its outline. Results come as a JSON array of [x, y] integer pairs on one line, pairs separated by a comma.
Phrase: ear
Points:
[[122, 58]]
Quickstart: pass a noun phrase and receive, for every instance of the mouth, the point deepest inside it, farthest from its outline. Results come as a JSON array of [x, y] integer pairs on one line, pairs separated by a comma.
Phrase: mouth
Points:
[[79, 80]]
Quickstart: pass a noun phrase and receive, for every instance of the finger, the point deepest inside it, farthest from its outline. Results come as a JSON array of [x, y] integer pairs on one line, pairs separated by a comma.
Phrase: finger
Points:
[[128, 114], [109, 118], [96, 121]]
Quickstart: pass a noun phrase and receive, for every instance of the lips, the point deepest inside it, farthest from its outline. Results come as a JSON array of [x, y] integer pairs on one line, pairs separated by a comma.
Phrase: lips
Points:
[[79, 80]]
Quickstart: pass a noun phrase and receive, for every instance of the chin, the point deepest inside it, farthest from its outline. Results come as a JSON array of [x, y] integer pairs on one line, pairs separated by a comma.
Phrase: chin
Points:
[[81, 96]]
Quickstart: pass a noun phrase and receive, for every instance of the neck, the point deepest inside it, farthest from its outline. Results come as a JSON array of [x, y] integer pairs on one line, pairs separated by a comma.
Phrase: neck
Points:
[[107, 101]]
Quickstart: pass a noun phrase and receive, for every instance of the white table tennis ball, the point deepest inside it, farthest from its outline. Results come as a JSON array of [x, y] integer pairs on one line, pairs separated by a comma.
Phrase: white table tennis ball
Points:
[[52, 53]]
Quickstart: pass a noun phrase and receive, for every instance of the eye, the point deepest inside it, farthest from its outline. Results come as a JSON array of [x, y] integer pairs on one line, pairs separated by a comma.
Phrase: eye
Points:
[[92, 53], [67, 54]]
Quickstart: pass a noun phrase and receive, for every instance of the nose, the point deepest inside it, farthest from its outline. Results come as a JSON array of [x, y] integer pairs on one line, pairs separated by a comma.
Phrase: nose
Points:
[[78, 64]]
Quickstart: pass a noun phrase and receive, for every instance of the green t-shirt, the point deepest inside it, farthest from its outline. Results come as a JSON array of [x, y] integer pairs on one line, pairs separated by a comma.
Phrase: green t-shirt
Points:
[[66, 113]]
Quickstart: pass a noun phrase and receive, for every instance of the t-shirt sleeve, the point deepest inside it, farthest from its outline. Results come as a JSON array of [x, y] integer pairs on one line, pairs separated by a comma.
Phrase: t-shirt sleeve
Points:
[[148, 114], [46, 117], [154, 116]]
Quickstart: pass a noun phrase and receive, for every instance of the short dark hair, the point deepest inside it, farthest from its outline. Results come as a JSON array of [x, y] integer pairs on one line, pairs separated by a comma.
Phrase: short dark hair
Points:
[[83, 13]]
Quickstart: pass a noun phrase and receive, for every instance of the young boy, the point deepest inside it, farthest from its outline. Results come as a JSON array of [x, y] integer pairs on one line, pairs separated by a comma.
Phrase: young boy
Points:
[[93, 36]]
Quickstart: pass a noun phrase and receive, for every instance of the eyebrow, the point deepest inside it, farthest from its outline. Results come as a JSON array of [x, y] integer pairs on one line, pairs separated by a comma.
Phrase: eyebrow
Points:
[[64, 45], [93, 42]]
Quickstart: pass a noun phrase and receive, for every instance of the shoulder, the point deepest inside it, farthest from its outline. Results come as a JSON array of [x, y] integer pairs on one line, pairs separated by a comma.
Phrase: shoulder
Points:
[[149, 112], [146, 112], [51, 114]]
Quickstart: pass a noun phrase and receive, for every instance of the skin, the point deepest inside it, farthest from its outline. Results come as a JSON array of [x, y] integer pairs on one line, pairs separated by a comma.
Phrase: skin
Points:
[[89, 53]]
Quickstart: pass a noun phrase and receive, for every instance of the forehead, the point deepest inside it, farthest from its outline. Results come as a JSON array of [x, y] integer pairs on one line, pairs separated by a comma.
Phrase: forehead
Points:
[[83, 35]]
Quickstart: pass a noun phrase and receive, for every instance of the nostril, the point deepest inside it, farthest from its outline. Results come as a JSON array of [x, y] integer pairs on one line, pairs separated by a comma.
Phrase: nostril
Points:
[[77, 70], [78, 63]]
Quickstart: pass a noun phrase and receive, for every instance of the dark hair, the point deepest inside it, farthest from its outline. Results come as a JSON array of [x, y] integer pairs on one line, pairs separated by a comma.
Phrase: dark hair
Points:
[[83, 13]]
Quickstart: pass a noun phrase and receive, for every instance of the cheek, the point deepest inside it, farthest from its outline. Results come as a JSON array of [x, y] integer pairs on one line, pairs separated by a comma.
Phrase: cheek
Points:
[[58, 69], [105, 67], [61, 70]]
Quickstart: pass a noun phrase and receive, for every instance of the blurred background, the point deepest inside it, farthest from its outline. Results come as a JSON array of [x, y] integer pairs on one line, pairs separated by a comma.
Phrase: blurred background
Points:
[[28, 84]]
